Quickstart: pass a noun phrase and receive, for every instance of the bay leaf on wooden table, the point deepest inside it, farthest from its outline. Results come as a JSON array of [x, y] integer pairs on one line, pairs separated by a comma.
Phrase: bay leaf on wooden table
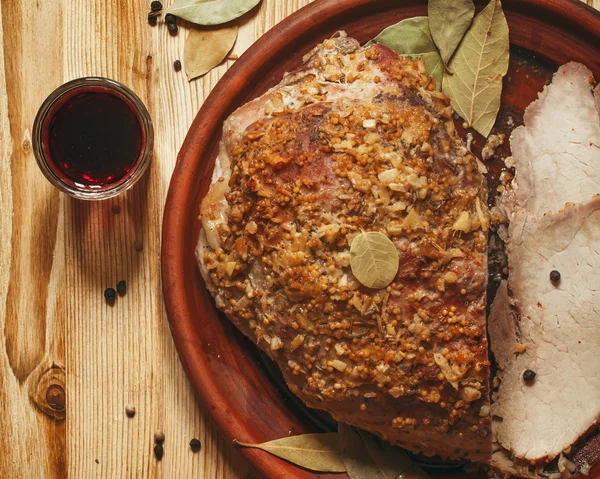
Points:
[[412, 39], [373, 259], [317, 452], [367, 457], [478, 66], [448, 22], [211, 12], [205, 48]]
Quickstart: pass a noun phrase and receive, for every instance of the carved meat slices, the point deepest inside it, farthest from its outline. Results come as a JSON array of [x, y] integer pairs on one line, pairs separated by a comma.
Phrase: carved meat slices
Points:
[[556, 152], [554, 225], [560, 327], [358, 139]]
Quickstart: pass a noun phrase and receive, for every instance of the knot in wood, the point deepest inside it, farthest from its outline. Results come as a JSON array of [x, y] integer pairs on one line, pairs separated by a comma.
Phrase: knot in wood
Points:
[[55, 397], [48, 391]]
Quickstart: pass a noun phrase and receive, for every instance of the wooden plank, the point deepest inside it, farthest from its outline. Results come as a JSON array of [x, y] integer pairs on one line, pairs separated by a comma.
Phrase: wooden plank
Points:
[[32, 320], [57, 255]]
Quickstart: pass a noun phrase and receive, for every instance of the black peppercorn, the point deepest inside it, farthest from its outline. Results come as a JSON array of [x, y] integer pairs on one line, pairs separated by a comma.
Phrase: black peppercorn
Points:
[[554, 276], [173, 28], [170, 19], [158, 452], [529, 375], [177, 65], [156, 6], [122, 287], [152, 20], [195, 444], [110, 294]]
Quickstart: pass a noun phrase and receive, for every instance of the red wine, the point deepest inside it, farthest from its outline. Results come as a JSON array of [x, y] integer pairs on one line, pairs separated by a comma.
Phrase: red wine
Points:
[[93, 137]]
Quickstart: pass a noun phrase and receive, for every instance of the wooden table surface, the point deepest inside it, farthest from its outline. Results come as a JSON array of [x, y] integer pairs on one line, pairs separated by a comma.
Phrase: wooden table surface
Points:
[[59, 341]]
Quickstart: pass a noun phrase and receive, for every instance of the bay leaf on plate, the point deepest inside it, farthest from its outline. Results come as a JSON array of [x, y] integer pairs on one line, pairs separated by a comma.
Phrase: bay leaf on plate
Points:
[[373, 259], [392, 461], [478, 66], [365, 456], [317, 452], [412, 39], [449, 21], [205, 48], [358, 462], [210, 12]]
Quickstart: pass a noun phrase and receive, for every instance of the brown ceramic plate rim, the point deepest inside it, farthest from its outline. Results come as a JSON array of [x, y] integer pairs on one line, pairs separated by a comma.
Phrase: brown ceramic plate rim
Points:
[[182, 312]]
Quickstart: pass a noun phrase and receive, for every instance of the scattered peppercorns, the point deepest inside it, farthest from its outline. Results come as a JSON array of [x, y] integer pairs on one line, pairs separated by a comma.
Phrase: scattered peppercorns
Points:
[[177, 65], [159, 437], [195, 444], [554, 276], [130, 410], [110, 294], [122, 287], [156, 6], [173, 29], [170, 19], [158, 452], [529, 375], [152, 19]]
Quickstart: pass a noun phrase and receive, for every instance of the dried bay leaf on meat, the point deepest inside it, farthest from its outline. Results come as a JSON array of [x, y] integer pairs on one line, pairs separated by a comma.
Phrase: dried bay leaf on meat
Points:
[[211, 12], [367, 457], [317, 452], [411, 38], [205, 48], [448, 22], [373, 259], [478, 66]]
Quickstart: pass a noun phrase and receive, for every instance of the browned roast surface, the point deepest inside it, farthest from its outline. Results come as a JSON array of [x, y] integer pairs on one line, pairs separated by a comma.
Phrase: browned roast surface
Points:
[[358, 139]]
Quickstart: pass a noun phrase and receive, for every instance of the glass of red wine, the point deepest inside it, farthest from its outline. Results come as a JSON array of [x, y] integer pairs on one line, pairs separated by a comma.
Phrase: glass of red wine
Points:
[[93, 138]]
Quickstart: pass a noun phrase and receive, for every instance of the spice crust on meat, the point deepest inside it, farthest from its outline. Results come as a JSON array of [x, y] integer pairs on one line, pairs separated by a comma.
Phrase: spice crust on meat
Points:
[[358, 139]]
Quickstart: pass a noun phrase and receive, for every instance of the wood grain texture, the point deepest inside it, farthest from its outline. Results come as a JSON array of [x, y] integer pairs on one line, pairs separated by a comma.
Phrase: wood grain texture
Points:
[[57, 255]]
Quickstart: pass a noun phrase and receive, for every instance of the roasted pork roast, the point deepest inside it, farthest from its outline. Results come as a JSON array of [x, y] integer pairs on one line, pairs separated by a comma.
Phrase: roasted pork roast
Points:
[[358, 139]]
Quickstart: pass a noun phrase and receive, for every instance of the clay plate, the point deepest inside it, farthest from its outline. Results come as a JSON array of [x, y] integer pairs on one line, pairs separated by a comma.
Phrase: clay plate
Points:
[[227, 373]]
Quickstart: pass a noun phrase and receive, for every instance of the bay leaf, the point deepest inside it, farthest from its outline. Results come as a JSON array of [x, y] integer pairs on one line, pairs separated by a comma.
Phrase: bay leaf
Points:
[[449, 21], [412, 39], [373, 259], [358, 462], [479, 64], [211, 12], [393, 461], [205, 48], [317, 452], [365, 456]]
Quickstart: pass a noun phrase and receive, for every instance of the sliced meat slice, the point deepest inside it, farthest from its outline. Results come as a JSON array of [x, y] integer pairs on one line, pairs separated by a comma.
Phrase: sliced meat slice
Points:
[[560, 326], [557, 151]]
